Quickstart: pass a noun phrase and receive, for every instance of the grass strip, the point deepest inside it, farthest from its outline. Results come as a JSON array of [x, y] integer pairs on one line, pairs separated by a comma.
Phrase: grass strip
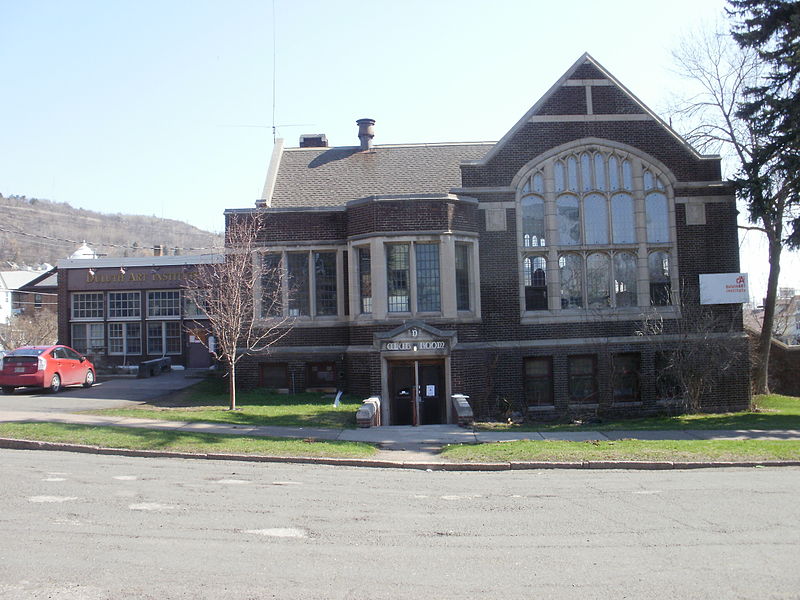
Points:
[[200, 443], [772, 411], [649, 450], [208, 402]]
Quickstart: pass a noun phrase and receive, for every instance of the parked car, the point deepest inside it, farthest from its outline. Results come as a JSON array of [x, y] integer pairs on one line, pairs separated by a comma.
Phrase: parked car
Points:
[[49, 367]]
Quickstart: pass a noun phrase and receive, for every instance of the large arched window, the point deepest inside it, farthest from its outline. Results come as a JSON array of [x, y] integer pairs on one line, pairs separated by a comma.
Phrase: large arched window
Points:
[[601, 214]]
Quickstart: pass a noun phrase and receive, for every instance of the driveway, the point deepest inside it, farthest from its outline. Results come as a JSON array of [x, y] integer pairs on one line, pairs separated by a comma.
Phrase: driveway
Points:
[[114, 392]]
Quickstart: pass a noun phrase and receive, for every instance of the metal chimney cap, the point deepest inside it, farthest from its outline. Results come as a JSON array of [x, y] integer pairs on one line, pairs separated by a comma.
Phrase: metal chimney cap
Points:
[[366, 131]]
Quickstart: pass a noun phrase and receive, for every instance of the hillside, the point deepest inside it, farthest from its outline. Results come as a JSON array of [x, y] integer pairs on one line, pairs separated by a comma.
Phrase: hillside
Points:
[[34, 231]]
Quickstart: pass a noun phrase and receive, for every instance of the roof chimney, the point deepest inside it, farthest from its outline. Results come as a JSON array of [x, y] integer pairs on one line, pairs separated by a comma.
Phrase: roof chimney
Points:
[[366, 131], [313, 140]]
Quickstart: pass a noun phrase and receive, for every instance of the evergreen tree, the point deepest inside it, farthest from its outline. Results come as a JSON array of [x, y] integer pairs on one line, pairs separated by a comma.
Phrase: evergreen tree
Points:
[[769, 180]]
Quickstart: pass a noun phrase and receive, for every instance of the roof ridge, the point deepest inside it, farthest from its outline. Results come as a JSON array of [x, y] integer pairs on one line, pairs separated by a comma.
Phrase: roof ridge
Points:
[[389, 146]]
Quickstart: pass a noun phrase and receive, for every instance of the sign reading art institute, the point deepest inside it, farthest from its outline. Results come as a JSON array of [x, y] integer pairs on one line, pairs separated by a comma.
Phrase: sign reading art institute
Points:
[[139, 277], [724, 288]]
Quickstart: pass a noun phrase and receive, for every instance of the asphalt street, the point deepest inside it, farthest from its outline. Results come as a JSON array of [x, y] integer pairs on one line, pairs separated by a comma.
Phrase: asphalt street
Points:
[[87, 526], [113, 392]]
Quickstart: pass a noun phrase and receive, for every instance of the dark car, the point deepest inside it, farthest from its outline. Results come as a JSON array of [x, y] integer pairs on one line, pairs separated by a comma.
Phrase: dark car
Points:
[[50, 367]]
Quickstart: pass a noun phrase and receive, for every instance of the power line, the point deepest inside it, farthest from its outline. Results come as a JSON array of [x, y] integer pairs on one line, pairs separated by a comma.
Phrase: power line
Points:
[[96, 244]]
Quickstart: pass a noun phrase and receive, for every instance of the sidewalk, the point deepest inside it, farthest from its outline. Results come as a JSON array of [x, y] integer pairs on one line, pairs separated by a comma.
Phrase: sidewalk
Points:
[[397, 443]]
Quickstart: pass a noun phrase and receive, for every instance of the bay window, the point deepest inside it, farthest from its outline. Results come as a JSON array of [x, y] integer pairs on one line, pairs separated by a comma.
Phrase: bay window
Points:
[[398, 269], [365, 280], [463, 292], [308, 285]]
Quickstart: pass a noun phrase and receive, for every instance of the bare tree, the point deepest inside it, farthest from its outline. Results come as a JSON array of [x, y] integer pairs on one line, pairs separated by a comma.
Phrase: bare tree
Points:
[[721, 73], [242, 296], [30, 329], [694, 353]]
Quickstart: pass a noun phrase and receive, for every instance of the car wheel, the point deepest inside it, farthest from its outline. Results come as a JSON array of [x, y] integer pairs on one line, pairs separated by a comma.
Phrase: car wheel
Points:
[[7, 389], [89, 379], [55, 384]]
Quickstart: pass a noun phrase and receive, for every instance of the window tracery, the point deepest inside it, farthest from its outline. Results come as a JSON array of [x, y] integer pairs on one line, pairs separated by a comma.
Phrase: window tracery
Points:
[[604, 218]]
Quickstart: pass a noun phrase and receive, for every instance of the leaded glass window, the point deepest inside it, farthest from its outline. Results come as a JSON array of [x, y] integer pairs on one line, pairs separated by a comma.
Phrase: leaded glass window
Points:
[[598, 276], [271, 285], [297, 273], [569, 220], [571, 270], [623, 219], [533, 225], [428, 295], [595, 204], [595, 214], [325, 282], [660, 284], [535, 275], [365, 280], [657, 214], [625, 277], [398, 277], [462, 277]]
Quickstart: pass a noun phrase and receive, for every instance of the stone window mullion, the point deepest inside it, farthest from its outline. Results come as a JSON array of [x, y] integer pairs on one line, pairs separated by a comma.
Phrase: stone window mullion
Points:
[[412, 278], [643, 279], [553, 274]]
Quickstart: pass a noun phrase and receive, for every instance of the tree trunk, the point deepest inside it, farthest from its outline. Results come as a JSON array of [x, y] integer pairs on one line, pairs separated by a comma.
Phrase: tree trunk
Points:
[[765, 339], [232, 384]]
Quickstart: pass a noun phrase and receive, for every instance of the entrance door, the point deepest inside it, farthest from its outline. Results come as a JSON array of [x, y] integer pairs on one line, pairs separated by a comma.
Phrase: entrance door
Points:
[[198, 355], [431, 393], [401, 391], [429, 396]]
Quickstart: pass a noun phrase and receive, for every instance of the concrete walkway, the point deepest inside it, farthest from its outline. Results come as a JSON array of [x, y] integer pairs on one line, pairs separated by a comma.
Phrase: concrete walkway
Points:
[[397, 443]]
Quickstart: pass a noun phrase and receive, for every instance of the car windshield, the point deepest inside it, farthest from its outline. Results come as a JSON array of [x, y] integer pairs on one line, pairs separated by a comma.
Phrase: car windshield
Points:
[[26, 352]]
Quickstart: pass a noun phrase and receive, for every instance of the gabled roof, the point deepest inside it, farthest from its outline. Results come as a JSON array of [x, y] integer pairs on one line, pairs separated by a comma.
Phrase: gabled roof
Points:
[[331, 177], [14, 280], [591, 93], [45, 280]]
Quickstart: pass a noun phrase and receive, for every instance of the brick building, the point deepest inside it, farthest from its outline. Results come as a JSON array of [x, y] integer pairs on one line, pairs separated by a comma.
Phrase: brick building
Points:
[[518, 270], [125, 310]]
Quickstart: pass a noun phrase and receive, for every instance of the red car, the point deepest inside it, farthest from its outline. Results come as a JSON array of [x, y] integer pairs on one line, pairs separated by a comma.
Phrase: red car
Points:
[[50, 367]]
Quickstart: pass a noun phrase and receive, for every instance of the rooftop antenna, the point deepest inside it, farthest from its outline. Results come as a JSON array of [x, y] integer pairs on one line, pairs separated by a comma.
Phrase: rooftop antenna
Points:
[[274, 125], [274, 72]]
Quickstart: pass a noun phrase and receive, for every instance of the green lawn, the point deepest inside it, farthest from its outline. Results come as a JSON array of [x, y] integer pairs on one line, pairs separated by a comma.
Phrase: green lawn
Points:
[[772, 412], [200, 443], [676, 451], [208, 402]]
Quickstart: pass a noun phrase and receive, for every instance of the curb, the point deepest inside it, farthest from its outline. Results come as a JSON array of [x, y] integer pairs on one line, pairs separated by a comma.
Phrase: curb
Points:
[[15, 444]]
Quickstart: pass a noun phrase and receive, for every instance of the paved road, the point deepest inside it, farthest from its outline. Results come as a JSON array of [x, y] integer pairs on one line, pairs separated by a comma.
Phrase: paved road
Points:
[[86, 526], [108, 393]]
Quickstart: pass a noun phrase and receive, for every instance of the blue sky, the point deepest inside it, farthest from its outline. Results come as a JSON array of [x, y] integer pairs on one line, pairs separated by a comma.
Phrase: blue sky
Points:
[[165, 107]]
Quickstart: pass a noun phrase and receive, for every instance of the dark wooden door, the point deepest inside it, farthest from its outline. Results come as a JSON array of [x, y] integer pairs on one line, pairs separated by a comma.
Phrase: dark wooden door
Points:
[[401, 391], [431, 393]]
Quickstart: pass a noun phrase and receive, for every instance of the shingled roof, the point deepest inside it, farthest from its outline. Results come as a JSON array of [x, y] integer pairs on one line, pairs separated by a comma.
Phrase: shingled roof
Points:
[[322, 177]]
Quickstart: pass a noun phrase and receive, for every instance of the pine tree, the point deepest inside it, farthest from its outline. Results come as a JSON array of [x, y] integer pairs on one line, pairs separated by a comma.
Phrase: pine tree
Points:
[[769, 180]]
